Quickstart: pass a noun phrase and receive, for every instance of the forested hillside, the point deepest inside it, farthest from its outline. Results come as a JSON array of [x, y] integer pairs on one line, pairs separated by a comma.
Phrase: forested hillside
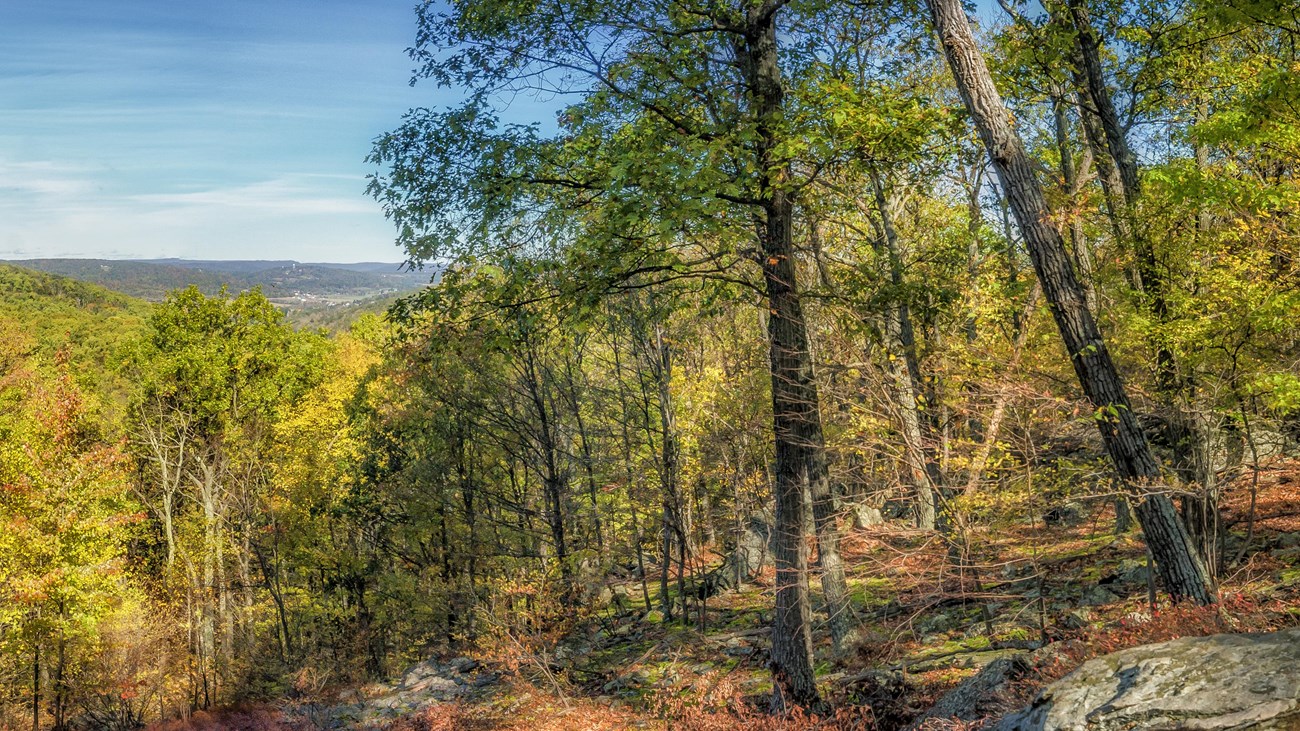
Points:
[[820, 366], [331, 296], [290, 283], [50, 313]]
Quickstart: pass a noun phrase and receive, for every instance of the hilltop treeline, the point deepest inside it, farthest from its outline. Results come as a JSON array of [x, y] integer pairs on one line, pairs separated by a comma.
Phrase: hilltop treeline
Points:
[[152, 280]]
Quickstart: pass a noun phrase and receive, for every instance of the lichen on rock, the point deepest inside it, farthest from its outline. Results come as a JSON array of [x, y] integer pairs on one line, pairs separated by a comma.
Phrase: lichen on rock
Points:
[[1229, 681]]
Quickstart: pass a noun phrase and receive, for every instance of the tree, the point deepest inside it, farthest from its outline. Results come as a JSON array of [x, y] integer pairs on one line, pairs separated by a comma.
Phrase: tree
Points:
[[682, 112], [1180, 566], [65, 522], [213, 376]]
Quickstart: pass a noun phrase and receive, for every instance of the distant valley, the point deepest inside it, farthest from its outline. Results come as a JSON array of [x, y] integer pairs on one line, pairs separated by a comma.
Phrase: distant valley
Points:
[[318, 294]]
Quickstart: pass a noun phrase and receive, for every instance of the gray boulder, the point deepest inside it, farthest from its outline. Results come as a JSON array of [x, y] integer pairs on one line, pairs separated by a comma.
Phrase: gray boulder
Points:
[[980, 693], [1095, 596], [1245, 681], [1132, 573], [866, 516], [753, 547]]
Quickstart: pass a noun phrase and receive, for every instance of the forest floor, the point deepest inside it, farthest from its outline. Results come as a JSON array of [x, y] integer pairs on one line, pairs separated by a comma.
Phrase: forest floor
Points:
[[1054, 594]]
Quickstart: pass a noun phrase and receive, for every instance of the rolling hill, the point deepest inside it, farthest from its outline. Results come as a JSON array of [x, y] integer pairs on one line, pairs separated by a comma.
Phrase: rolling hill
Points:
[[329, 295], [287, 282], [50, 313]]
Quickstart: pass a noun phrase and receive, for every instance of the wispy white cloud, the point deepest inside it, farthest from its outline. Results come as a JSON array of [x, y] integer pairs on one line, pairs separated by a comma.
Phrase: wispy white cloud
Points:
[[283, 195], [233, 128], [47, 180], [49, 209]]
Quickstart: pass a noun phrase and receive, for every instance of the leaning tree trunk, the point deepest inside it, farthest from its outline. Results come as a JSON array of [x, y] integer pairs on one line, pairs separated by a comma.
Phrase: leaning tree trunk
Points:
[[1124, 201], [1180, 567], [1189, 433]]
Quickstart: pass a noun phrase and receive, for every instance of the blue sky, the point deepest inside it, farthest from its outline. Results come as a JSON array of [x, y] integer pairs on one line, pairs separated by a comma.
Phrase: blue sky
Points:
[[214, 129], [231, 129]]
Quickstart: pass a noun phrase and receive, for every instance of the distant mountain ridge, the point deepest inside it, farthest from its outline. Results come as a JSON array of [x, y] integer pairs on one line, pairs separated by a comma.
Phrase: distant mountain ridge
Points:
[[287, 281], [256, 265]]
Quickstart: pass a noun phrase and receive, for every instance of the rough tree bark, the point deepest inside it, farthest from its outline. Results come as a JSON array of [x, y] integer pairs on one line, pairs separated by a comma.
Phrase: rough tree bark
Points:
[[1188, 431], [796, 421], [1180, 567]]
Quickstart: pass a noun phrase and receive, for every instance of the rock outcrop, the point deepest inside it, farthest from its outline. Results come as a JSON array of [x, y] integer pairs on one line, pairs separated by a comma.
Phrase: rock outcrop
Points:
[[422, 685], [981, 693], [744, 562], [1244, 681]]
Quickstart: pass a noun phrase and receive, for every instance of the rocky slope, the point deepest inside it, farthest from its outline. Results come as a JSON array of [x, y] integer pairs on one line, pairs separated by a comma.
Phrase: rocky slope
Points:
[[1243, 681], [374, 707]]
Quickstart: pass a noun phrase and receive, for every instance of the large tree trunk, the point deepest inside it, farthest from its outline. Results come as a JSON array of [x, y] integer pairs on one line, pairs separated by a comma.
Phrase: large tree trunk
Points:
[[1190, 434], [796, 421], [797, 430], [1180, 567]]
